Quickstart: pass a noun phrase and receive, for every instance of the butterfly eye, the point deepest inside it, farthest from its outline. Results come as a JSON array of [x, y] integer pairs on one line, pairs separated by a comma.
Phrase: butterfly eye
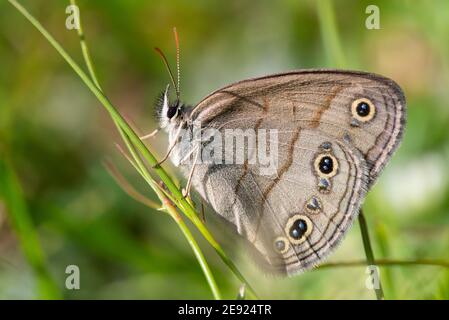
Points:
[[363, 110], [172, 112], [281, 245], [326, 165], [298, 228]]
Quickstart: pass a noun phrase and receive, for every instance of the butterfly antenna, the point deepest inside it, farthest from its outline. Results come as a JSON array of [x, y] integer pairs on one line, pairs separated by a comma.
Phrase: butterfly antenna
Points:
[[164, 59], [178, 66]]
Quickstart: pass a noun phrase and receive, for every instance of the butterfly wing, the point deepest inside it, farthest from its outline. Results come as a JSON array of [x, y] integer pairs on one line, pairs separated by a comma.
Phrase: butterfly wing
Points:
[[295, 216]]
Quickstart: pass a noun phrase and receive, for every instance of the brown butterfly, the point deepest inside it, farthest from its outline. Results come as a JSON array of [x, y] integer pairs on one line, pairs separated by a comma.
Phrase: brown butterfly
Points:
[[329, 133]]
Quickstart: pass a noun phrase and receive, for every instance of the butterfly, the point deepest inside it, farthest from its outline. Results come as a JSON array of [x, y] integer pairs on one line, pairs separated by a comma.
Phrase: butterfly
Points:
[[329, 134]]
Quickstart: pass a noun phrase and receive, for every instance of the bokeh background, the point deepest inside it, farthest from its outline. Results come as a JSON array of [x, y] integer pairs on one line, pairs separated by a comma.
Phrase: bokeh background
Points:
[[55, 136]]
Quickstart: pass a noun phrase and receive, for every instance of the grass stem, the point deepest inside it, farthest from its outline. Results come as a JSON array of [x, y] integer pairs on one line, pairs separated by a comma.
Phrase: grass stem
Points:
[[369, 252], [387, 263]]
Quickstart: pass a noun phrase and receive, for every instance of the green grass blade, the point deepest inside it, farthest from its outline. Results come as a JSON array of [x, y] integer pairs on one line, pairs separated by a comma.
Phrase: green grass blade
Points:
[[369, 252]]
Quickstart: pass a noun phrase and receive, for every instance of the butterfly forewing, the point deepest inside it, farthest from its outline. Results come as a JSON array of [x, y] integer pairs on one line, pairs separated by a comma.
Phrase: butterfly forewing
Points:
[[325, 100]]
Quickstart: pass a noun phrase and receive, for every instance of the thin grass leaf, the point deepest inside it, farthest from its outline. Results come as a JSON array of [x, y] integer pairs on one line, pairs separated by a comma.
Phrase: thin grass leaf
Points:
[[369, 252], [387, 262]]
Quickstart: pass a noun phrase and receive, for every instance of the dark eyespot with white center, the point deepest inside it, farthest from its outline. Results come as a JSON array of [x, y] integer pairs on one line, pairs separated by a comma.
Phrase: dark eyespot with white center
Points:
[[363, 110], [298, 228], [326, 165]]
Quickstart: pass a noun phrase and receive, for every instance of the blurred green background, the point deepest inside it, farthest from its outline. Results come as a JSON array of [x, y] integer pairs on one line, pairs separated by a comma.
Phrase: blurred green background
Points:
[[54, 137]]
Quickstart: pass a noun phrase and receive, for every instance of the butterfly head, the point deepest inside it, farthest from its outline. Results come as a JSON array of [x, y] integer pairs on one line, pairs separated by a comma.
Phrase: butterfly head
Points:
[[169, 112]]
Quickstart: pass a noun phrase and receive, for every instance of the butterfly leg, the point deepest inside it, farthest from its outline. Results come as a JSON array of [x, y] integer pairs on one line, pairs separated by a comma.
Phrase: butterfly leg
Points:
[[186, 191], [170, 148]]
